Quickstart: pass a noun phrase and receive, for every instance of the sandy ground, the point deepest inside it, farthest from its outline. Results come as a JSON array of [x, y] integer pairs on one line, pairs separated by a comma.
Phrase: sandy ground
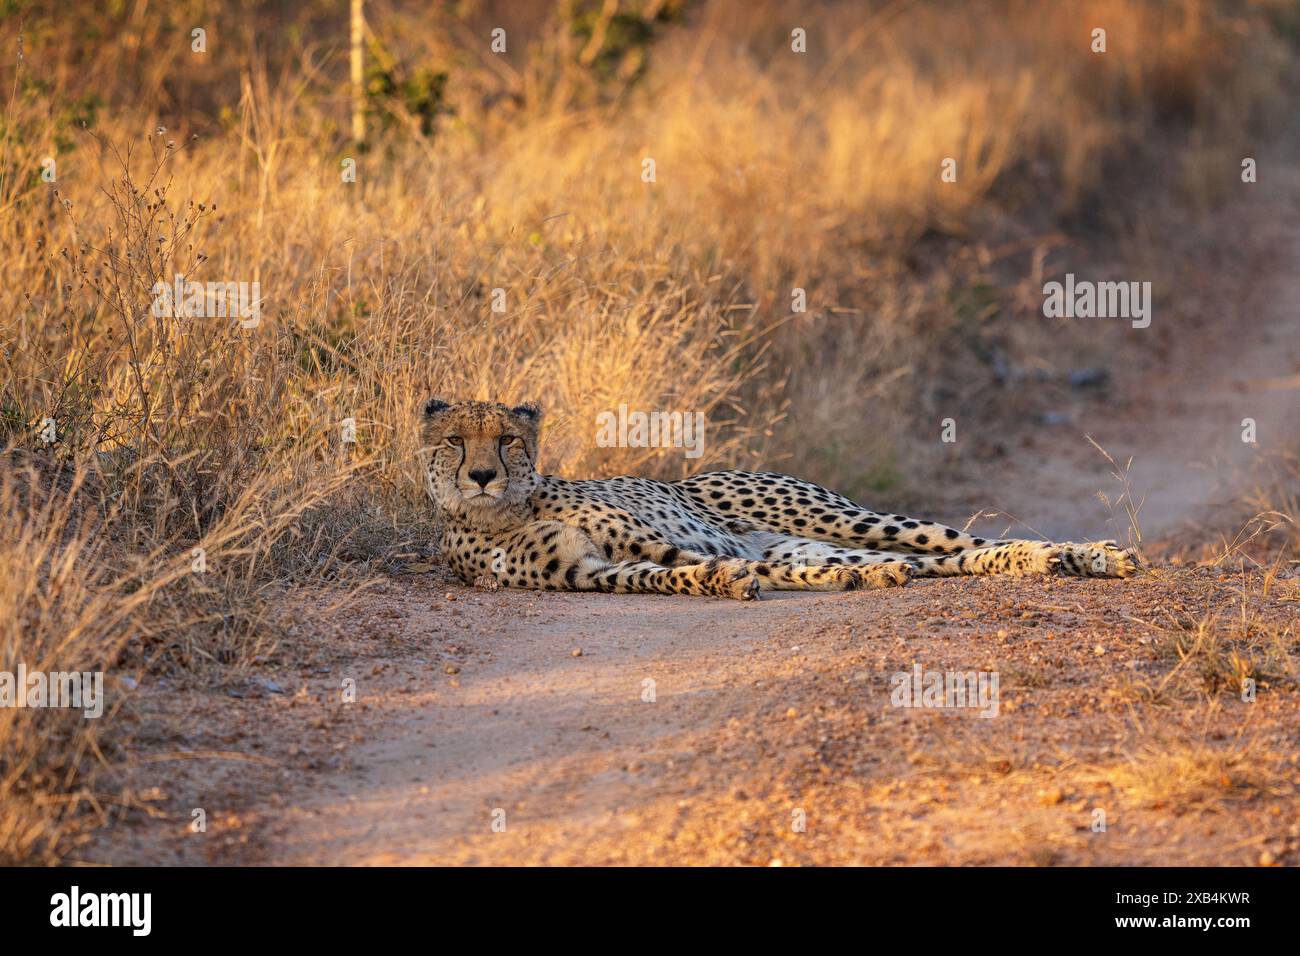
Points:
[[688, 735], [521, 728]]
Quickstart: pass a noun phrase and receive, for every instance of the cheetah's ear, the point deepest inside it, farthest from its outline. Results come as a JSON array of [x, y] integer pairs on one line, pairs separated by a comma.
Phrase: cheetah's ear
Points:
[[433, 406], [529, 410]]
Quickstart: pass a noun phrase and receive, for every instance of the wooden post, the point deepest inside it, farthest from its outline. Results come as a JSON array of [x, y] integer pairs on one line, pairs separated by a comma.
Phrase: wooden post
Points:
[[358, 74]]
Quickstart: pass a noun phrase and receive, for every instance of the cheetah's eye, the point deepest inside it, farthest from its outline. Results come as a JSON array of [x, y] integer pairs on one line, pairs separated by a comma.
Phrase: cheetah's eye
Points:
[[455, 441], [508, 440]]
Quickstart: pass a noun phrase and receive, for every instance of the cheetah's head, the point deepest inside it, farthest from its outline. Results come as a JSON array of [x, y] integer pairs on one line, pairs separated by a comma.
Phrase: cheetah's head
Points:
[[481, 454]]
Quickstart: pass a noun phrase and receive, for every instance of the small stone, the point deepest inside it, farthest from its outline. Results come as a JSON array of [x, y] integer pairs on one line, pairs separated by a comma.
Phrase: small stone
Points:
[[1089, 377], [576, 652], [450, 668], [1267, 859], [791, 712]]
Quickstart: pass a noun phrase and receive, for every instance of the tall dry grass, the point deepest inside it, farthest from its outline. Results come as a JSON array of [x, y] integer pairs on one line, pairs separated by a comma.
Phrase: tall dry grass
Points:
[[773, 170]]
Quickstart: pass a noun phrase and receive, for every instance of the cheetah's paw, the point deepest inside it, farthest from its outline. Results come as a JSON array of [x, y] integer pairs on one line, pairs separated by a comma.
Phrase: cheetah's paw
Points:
[[892, 574], [729, 578], [1096, 559]]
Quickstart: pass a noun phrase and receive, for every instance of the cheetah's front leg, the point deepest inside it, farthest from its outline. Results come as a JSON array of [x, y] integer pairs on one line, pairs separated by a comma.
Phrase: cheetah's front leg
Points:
[[717, 577], [553, 556], [782, 576]]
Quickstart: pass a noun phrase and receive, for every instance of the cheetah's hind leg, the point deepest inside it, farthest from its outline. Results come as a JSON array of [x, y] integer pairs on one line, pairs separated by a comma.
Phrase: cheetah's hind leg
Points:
[[1099, 559]]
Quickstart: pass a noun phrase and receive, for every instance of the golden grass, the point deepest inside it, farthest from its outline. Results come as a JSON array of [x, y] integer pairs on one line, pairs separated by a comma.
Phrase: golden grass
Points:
[[774, 171], [1196, 774], [57, 615]]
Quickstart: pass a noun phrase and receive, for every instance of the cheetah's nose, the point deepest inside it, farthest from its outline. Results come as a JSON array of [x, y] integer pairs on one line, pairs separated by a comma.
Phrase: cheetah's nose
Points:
[[482, 476]]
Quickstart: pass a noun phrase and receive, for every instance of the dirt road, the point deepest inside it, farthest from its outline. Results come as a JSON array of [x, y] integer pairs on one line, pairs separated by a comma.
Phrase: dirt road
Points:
[[682, 734]]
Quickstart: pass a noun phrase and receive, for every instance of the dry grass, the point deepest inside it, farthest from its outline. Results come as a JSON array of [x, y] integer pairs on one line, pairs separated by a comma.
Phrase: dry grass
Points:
[[1276, 503], [59, 613], [1188, 774], [77, 596], [773, 171], [1231, 648]]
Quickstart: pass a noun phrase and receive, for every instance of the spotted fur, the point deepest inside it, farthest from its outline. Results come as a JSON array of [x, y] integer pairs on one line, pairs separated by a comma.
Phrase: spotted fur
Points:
[[723, 534]]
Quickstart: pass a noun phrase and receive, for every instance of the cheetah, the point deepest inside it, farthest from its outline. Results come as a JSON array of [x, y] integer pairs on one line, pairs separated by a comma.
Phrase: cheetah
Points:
[[724, 534]]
